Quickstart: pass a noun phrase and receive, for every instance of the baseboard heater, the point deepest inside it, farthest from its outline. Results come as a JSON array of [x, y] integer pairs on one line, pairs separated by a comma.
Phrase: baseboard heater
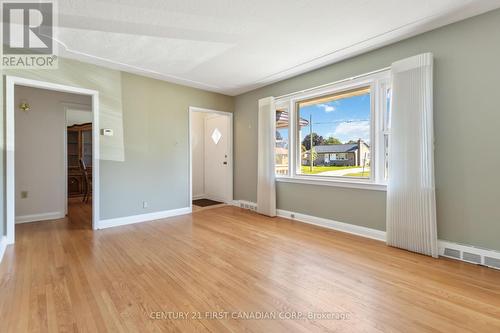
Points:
[[473, 258]]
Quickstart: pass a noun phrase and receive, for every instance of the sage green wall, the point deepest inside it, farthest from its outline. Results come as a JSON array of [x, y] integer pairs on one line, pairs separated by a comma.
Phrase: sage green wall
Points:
[[106, 81], [147, 158], [467, 118], [156, 169]]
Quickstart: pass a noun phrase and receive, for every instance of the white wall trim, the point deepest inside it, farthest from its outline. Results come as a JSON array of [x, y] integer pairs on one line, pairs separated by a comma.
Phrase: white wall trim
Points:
[[199, 196], [120, 221], [375, 234], [39, 217], [323, 181], [192, 109], [335, 225], [3, 246], [10, 83]]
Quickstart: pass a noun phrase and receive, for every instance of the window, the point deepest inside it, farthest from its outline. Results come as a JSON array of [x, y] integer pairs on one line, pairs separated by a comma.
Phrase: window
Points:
[[281, 147], [338, 132], [387, 128], [337, 124]]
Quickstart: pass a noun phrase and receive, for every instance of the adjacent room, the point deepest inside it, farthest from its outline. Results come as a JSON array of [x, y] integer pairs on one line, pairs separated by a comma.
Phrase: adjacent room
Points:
[[262, 166], [53, 156]]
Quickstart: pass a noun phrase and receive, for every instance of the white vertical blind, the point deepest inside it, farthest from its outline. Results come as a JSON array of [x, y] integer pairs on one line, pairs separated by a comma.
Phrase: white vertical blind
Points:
[[411, 199], [266, 186]]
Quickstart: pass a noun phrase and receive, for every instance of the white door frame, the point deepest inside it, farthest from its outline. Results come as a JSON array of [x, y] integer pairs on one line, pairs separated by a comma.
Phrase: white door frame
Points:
[[10, 83], [230, 160]]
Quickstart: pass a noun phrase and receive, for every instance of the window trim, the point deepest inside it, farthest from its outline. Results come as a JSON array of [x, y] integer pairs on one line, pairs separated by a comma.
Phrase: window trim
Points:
[[284, 107], [378, 82]]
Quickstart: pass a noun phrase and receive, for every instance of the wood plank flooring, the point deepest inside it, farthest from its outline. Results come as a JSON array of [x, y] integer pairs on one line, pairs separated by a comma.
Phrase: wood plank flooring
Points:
[[62, 276]]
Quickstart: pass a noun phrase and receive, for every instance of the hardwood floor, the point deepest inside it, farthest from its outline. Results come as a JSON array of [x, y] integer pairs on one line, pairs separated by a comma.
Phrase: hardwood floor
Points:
[[59, 277], [79, 214]]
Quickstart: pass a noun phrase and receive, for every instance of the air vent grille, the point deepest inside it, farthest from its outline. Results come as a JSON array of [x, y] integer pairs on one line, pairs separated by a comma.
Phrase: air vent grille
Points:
[[452, 253], [492, 262], [471, 254], [248, 205], [471, 257]]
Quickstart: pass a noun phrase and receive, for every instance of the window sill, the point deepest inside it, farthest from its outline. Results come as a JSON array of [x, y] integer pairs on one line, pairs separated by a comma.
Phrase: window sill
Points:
[[334, 182]]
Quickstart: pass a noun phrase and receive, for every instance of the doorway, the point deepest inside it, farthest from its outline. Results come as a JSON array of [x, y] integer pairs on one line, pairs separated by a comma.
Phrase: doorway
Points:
[[78, 163], [211, 157], [31, 183]]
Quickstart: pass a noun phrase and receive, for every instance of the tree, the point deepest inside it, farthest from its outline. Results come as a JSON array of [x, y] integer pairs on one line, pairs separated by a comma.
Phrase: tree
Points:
[[317, 140], [333, 141], [278, 136]]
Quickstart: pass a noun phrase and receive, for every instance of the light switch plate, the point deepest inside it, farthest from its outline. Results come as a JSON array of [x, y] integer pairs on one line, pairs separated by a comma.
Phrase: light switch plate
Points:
[[107, 132]]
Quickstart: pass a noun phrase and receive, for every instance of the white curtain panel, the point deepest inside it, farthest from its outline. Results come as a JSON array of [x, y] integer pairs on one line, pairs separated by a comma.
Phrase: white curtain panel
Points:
[[411, 198], [266, 186]]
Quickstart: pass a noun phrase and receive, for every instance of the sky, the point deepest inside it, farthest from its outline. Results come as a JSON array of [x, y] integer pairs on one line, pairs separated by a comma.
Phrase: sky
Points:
[[345, 119]]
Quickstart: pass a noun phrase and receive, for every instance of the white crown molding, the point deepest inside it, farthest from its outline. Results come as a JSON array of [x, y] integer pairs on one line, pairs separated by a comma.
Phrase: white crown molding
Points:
[[115, 222], [390, 37], [380, 40]]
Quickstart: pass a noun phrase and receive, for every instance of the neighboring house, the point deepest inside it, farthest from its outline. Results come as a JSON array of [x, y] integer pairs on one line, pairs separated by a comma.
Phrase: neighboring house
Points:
[[349, 154], [281, 165]]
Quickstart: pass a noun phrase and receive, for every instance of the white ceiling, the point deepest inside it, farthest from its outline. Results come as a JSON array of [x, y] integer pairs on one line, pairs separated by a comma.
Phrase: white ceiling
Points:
[[233, 46]]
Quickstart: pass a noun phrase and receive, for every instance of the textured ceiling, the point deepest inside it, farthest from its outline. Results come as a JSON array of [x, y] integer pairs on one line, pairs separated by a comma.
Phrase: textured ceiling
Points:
[[233, 46]]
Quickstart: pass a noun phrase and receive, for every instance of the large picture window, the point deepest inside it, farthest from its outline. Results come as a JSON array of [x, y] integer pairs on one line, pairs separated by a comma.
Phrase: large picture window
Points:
[[336, 139], [337, 132]]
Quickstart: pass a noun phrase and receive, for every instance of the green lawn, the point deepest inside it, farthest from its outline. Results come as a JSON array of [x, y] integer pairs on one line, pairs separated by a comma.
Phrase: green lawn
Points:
[[365, 174], [317, 169]]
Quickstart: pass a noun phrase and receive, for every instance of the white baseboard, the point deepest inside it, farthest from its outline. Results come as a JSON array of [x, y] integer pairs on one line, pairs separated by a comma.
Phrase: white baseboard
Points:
[[39, 217], [108, 223], [467, 253], [3, 246], [335, 225], [318, 221], [199, 196]]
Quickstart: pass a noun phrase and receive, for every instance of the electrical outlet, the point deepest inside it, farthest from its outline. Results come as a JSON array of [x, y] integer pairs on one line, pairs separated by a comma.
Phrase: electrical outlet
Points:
[[24, 194], [144, 204]]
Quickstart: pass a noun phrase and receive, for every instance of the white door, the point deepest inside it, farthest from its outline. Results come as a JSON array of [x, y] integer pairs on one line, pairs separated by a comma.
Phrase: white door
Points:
[[217, 159]]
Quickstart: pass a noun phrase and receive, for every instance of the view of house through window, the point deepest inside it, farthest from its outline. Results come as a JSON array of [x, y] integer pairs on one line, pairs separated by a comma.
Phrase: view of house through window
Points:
[[334, 134], [281, 148]]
